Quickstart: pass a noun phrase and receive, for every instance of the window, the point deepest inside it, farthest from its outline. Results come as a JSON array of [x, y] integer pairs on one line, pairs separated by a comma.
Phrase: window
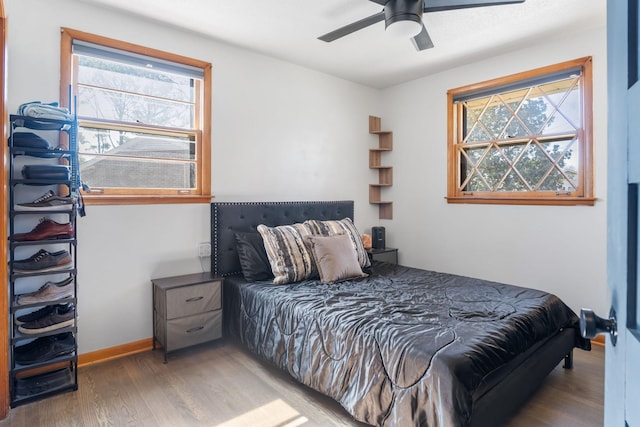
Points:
[[144, 120], [523, 139]]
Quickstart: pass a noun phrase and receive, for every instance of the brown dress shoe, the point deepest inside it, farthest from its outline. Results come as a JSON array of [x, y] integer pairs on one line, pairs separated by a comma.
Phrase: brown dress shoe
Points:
[[47, 229]]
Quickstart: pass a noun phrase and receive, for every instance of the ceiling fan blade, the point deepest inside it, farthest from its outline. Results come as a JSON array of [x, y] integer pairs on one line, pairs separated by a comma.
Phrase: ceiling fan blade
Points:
[[355, 26], [422, 41], [440, 5]]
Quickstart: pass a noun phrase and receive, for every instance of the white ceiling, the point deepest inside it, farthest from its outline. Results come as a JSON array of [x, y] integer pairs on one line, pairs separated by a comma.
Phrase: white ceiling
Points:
[[288, 30]]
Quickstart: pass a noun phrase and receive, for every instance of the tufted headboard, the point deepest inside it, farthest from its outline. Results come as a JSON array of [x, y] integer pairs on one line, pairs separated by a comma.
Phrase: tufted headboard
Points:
[[227, 218]]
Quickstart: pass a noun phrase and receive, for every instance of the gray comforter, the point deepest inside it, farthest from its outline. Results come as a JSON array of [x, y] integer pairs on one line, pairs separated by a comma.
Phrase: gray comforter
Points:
[[404, 347]]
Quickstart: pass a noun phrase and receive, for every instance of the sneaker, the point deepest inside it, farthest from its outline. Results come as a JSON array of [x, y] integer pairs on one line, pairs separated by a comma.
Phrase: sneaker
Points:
[[50, 291], [34, 315], [62, 316], [45, 348], [48, 201], [43, 261], [46, 229]]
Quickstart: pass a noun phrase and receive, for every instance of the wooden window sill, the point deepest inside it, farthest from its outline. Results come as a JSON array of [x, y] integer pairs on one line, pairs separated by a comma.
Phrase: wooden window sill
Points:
[[565, 201], [143, 200]]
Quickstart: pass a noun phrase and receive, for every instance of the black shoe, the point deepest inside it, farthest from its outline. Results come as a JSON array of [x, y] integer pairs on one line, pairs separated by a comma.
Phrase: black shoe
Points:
[[62, 317], [42, 383], [45, 348], [48, 201], [35, 315]]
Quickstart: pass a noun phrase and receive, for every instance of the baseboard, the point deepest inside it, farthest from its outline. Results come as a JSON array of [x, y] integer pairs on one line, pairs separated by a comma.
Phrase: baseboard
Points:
[[110, 353], [146, 344]]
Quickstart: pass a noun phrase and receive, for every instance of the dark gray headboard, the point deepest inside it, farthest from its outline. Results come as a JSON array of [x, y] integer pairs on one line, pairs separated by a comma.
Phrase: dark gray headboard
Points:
[[227, 218]]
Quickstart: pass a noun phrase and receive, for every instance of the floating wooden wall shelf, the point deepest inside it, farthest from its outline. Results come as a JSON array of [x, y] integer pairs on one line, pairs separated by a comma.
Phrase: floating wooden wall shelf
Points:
[[385, 173]]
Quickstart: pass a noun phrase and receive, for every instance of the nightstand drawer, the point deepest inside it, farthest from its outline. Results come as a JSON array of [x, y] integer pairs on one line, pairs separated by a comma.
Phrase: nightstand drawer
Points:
[[187, 310], [188, 300], [191, 330]]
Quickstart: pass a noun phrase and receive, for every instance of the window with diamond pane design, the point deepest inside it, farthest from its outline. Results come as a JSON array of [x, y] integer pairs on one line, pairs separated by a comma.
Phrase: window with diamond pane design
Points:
[[524, 138]]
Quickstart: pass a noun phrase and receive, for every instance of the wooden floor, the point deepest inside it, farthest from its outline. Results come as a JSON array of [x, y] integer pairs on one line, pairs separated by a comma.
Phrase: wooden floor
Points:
[[220, 384]]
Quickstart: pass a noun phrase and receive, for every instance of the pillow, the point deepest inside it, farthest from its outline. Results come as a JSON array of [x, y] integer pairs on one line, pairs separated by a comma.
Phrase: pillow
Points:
[[288, 252], [343, 226], [253, 258], [335, 258]]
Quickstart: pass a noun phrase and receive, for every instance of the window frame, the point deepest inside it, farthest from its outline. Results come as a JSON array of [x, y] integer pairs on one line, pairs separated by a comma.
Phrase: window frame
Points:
[[583, 194], [113, 196]]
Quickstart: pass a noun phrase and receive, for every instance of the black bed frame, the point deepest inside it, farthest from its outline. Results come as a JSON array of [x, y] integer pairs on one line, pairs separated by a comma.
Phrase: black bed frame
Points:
[[518, 380]]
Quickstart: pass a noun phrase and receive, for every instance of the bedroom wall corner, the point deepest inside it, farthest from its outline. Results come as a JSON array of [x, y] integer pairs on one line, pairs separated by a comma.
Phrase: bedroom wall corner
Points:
[[558, 249]]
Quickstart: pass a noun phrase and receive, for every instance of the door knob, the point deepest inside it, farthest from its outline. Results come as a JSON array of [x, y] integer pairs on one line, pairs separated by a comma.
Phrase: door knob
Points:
[[592, 325]]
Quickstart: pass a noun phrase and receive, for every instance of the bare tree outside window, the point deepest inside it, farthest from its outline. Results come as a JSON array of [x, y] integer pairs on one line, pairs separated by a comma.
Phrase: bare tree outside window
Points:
[[142, 115], [122, 93]]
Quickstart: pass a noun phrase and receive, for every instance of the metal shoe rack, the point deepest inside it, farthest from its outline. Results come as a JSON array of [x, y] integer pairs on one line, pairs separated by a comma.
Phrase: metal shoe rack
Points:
[[53, 370]]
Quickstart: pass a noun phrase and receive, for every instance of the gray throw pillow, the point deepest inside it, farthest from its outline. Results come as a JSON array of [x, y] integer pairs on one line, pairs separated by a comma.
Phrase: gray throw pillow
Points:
[[335, 258]]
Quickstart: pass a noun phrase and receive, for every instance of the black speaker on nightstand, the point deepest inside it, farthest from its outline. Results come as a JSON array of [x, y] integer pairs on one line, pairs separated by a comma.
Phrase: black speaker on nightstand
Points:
[[377, 238]]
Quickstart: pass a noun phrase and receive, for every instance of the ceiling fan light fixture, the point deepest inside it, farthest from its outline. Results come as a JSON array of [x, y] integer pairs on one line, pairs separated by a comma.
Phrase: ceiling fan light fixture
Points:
[[403, 18], [404, 27]]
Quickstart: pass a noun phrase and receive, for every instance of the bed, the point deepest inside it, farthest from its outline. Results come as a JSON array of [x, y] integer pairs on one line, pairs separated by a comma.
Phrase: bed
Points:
[[400, 347]]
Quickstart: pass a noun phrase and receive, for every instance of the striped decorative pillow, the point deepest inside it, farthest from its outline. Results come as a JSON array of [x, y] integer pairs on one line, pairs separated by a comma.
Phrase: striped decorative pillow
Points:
[[288, 252], [343, 226]]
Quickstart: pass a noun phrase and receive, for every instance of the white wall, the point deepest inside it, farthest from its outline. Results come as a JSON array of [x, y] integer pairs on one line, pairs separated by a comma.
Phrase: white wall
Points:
[[280, 132], [554, 248]]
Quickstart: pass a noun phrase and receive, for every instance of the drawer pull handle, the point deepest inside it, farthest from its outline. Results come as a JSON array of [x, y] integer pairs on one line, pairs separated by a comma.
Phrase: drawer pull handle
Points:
[[193, 299], [197, 328]]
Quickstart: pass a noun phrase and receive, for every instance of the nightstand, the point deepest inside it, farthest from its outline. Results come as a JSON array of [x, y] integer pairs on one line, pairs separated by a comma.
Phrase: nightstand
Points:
[[187, 310], [387, 255]]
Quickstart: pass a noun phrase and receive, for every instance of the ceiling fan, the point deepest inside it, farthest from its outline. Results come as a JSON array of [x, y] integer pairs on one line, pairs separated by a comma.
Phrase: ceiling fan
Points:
[[404, 18]]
